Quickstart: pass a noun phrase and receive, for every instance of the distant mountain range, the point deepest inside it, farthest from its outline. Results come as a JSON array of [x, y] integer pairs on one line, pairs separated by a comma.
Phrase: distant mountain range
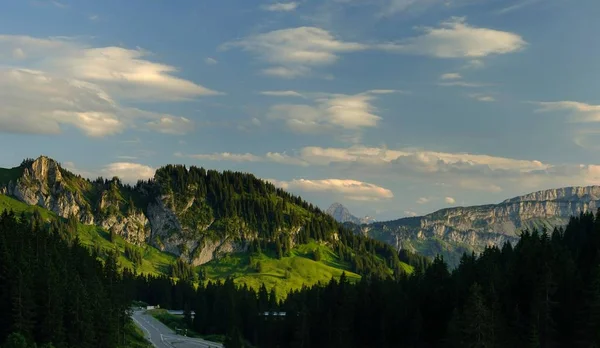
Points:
[[342, 214], [452, 231]]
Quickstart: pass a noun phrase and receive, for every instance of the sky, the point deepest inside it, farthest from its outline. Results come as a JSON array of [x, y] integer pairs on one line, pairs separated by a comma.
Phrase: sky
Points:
[[393, 108]]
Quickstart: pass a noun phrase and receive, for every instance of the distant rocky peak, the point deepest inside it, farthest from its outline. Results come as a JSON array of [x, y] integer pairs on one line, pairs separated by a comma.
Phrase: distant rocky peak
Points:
[[342, 214]]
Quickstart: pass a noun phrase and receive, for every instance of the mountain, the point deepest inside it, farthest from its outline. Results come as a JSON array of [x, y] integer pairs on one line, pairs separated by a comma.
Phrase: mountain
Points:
[[230, 223], [452, 231], [342, 214]]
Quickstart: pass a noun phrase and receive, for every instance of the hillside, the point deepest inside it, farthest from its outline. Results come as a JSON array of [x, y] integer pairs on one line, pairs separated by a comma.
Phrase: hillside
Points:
[[199, 223], [452, 231]]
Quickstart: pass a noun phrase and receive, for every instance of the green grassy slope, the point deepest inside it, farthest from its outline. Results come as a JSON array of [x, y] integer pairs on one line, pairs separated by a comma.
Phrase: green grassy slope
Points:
[[154, 261], [285, 274]]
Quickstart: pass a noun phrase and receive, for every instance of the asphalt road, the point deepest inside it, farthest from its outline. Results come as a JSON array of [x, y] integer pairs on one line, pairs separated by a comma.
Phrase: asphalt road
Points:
[[162, 337]]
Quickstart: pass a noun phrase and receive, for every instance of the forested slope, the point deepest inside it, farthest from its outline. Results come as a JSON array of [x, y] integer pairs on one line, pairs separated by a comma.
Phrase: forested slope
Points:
[[196, 224]]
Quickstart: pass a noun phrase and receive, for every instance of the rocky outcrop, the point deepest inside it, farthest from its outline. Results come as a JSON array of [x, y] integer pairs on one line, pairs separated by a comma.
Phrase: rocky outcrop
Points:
[[342, 214], [455, 230], [43, 183]]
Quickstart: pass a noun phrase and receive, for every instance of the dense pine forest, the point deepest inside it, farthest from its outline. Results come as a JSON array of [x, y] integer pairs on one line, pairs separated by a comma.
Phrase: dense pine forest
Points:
[[55, 292], [543, 292]]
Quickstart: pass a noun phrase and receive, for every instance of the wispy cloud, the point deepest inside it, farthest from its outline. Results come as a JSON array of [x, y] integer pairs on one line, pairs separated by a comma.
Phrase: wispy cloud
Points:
[[282, 94], [210, 61], [456, 80], [126, 72], [450, 200], [450, 76], [348, 188], [516, 6], [281, 6], [330, 113], [59, 4], [68, 84], [482, 97], [295, 52], [579, 112], [457, 39]]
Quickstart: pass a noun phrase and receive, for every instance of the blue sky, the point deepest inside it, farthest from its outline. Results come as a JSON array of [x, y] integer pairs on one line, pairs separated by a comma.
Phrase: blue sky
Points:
[[391, 107]]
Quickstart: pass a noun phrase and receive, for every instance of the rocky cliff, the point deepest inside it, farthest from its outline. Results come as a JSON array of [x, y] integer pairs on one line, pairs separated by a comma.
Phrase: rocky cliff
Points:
[[452, 231], [44, 183], [342, 214]]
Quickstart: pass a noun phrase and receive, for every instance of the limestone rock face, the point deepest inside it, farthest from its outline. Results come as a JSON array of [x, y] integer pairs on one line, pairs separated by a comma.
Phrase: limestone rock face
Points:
[[42, 184], [464, 229]]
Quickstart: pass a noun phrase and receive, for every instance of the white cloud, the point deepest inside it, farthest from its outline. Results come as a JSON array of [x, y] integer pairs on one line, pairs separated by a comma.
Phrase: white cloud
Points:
[[124, 72], [225, 156], [474, 64], [275, 157], [281, 6], [424, 161], [282, 93], [284, 158], [580, 112], [294, 52], [74, 85], [169, 124], [211, 61], [128, 172], [423, 200], [38, 103], [330, 113], [463, 84], [450, 76], [457, 39], [34, 102], [450, 200], [482, 97], [410, 213], [349, 189], [94, 18]]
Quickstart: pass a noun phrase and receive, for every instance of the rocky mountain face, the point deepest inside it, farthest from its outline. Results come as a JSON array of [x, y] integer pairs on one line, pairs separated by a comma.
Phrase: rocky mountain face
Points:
[[44, 183], [452, 231], [342, 214], [140, 214]]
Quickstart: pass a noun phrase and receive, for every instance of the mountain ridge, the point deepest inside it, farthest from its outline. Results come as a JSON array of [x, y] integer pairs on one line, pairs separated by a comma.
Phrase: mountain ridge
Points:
[[452, 231], [200, 216]]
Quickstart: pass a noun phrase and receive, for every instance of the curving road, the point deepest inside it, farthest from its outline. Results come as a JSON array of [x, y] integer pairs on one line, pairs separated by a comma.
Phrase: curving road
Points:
[[162, 337]]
